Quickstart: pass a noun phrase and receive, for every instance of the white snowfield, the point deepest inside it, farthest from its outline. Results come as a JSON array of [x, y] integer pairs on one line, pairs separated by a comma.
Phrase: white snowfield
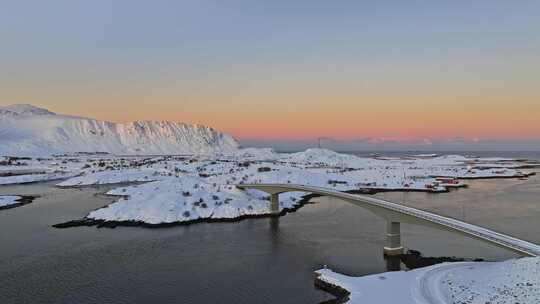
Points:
[[509, 282], [180, 200], [32, 131], [6, 200]]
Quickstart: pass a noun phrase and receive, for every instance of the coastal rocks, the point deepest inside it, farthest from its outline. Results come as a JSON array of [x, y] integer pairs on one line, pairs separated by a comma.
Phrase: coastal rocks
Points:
[[414, 259]]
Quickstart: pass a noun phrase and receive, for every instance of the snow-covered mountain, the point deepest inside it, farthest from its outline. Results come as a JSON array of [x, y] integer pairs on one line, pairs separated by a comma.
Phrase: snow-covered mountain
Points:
[[29, 130]]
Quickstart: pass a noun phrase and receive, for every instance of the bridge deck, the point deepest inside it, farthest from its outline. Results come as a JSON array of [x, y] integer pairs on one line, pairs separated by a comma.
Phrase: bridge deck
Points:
[[488, 235]]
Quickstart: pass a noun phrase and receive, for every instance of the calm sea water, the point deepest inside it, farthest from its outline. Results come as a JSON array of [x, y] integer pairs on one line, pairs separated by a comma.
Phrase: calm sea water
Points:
[[252, 261]]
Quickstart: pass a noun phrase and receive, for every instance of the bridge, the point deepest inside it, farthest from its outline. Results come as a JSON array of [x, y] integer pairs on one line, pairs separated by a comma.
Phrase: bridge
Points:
[[395, 214]]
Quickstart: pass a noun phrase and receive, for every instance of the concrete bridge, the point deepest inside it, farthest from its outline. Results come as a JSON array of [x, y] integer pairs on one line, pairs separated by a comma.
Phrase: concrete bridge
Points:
[[395, 214]]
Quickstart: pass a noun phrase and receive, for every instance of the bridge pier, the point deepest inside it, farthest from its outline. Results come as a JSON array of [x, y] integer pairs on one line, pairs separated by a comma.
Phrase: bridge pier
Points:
[[393, 239], [392, 211], [274, 203]]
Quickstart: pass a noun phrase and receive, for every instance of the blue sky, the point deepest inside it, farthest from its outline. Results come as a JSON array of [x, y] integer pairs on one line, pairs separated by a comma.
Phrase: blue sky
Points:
[[276, 69]]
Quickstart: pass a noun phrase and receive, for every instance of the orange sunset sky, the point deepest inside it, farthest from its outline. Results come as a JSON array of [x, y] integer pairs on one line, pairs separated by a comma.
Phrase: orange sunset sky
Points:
[[282, 70]]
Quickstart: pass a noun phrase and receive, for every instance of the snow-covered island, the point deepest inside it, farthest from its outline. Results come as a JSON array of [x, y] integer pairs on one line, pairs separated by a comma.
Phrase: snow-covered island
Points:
[[164, 190], [508, 282]]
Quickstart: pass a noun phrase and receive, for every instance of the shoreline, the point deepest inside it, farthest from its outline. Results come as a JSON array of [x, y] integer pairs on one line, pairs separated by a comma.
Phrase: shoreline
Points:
[[412, 258], [24, 200], [341, 294]]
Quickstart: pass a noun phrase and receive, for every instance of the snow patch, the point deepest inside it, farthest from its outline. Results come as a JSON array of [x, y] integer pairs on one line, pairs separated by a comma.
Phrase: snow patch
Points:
[[6, 200]]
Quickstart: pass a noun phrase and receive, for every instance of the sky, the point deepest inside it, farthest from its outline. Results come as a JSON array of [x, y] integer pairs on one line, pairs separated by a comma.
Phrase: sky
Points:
[[410, 72]]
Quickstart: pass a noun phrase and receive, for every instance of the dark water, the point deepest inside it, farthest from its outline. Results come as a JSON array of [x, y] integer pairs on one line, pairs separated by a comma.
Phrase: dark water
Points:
[[252, 261]]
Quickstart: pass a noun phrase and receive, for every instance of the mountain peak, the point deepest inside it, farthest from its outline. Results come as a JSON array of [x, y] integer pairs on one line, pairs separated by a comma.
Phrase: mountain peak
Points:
[[24, 109], [30, 130]]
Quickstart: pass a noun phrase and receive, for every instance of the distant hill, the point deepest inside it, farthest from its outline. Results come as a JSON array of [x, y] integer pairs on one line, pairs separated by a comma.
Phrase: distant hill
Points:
[[30, 130]]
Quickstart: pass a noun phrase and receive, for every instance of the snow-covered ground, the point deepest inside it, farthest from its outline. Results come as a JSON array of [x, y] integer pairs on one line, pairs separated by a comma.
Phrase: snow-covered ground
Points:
[[183, 199], [508, 282], [7, 200], [198, 187]]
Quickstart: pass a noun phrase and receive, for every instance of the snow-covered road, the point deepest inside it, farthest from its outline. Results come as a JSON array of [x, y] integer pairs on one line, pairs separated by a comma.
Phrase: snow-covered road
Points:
[[428, 290], [507, 282]]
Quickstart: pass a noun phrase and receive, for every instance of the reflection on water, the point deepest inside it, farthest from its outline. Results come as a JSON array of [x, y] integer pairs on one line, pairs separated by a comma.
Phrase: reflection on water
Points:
[[267, 260]]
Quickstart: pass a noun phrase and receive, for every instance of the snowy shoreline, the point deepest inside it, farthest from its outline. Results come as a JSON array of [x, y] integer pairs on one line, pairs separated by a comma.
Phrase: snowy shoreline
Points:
[[13, 201], [509, 282]]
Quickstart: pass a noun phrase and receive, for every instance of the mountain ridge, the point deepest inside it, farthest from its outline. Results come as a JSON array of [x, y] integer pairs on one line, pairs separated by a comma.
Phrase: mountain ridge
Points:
[[29, 130]]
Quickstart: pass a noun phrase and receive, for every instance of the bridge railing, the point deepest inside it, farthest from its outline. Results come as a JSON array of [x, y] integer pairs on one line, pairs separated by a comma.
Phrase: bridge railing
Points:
[[454, 224]]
